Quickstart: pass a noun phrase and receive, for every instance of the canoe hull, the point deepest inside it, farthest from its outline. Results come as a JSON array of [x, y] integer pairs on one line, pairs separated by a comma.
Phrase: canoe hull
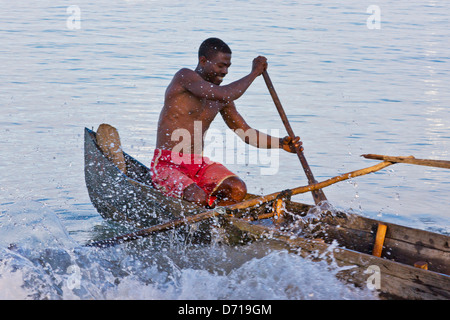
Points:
[[130, 198], [341, 238]]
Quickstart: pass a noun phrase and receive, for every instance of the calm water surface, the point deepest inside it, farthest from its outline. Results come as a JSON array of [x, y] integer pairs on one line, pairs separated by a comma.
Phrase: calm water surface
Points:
[[348, 89]]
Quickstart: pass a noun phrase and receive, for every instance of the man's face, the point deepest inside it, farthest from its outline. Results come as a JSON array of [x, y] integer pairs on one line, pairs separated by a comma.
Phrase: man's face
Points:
[[216, 68]]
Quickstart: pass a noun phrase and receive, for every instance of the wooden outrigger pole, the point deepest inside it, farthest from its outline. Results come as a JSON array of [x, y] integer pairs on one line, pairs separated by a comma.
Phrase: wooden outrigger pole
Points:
[[142, 233], [410, 160]]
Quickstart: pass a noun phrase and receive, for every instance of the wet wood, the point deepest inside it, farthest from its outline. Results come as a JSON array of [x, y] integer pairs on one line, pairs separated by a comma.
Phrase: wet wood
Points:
[[421, 265], [379, 240], [396, 280], [404, 244], [318, 194], [256, 201], [342, 177], [322, 232], [108, 141], [142, 233]]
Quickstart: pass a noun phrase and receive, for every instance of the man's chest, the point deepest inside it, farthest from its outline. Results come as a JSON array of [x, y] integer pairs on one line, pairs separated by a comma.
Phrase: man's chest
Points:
[[206, 109]]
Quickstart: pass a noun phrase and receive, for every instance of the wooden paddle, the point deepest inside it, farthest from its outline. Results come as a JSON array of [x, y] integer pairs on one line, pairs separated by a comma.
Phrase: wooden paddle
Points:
[[241, 205], [318, 194]]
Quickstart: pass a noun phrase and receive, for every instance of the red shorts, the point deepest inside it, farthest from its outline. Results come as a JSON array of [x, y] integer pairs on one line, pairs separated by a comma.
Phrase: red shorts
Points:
[[174, 172]]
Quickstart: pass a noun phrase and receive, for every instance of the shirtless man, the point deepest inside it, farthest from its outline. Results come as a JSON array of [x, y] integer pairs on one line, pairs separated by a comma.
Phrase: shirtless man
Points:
[[192, 101]]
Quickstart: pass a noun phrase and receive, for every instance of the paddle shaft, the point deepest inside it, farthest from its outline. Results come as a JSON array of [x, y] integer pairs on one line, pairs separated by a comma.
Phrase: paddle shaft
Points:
[[318, 195], [241, 205]]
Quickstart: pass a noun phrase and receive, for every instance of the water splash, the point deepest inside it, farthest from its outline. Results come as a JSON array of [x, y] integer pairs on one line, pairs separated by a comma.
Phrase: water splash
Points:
[[39, 260]]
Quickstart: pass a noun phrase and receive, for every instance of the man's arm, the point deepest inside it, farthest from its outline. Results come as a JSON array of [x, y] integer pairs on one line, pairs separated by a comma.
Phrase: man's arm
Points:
[[251, 136], [201, 88]]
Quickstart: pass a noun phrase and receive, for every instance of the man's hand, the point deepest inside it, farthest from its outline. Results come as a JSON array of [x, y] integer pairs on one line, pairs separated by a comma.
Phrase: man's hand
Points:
[[259, 65], [290, 145]]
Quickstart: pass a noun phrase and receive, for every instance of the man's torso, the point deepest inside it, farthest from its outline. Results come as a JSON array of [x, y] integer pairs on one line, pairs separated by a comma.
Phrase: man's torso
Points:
[[187, 113]]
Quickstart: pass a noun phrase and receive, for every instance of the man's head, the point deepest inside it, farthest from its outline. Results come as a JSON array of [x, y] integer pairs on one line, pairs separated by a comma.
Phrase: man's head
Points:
[[211, 46], [214, 59]]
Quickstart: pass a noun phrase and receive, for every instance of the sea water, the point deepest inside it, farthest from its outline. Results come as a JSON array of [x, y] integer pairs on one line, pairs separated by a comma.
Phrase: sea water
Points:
[[354, 77]]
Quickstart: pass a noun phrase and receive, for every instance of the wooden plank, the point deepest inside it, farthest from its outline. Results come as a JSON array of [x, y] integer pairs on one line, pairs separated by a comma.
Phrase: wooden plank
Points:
[[396, 280], [403, 244]]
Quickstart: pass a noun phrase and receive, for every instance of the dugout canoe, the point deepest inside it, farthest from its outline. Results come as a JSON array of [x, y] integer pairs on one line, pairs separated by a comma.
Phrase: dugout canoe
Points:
[[130, 197], [344, 239]]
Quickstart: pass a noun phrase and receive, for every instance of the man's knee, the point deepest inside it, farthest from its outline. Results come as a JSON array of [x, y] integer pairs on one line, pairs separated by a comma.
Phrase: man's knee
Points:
[[195, 194]]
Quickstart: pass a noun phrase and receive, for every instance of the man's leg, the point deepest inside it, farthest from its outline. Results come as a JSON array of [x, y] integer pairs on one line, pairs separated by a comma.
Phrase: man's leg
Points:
[[230, 191], [195, 194]]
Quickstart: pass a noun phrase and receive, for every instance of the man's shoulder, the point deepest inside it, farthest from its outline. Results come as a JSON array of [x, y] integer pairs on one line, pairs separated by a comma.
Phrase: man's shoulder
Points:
[[179, 81], [182, 75], [185, 72]]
